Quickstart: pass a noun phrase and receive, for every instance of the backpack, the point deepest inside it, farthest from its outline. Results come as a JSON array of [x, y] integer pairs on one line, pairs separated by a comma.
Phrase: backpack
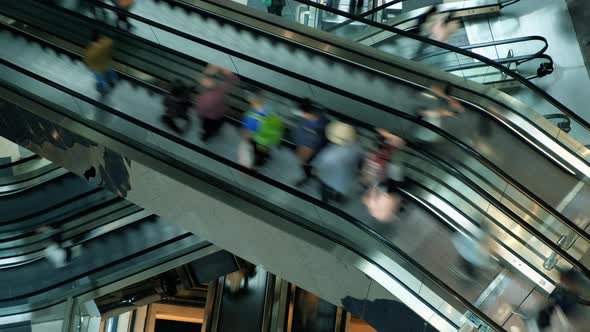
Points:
[[270, 129]]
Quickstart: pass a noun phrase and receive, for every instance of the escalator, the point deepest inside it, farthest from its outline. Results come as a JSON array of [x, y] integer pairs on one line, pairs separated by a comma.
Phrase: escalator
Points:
[[137, 179], [21, 169], [109, 242], [491, 148], [131, 192], [523, 55], [60, 196], [374, 93], [162, 68]]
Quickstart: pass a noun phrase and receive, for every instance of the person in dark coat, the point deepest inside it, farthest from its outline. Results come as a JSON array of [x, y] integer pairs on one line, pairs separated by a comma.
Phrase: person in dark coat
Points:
[[310, 137], [176, 105], [276, 7]]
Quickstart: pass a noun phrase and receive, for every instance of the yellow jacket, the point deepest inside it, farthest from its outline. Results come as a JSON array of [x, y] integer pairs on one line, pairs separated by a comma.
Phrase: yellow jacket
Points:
[[99, 55]]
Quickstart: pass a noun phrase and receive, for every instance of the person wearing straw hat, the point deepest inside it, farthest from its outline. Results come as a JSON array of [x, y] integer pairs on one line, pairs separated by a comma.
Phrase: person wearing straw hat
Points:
[[338, 164]]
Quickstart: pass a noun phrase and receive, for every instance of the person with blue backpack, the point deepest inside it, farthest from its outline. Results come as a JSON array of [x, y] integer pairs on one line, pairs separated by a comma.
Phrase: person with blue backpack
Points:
[[263, 129]]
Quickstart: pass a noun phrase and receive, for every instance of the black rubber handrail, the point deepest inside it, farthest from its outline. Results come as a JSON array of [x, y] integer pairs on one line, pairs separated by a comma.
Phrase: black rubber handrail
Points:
[[464, 198], [496, 239], [20, 161], [94, 286], [484, 161], [496, 43], [518, 60], [57, 222], [190, 170], [73, 277], [63, 203]]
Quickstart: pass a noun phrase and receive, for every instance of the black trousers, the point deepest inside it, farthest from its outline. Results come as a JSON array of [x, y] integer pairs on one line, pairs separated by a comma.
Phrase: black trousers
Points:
[[168, 119], [261, 154], [307, 169], [329, 194], [210, 127], [275, 9]]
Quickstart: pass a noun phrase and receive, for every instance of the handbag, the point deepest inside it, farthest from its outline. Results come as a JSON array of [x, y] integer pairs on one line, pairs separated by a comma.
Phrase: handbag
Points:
[[245, 153]]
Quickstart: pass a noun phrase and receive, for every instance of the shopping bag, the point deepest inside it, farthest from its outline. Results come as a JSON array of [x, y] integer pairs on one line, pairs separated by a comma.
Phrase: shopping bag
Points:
[[245, 154], [56, 255]]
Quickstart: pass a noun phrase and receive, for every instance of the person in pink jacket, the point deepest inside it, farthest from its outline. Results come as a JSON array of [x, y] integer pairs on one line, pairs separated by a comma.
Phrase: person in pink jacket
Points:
[[210, 104]]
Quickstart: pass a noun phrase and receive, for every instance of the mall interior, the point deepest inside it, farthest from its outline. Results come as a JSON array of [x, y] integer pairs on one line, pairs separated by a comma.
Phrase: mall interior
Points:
[[294, 165]]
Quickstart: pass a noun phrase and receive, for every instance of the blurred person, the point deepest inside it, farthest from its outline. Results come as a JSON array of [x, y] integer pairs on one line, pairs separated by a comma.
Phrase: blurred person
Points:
[[57, 253], [355, 7], [210, 103], [473, 252], [275, 6], [97, 11], [375, 164], [306, 310], [337, 165], [436, 26], [98, 56], [444, 27], [442, 92], [383, 200], [245, 272], [435, 116], [122, 19], [176, 105], [562, 303], [262, 129], [310, 137]]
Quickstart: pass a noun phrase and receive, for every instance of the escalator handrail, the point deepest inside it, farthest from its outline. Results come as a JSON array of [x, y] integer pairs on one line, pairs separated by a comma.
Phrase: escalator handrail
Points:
[[518, 219], [455, 49], [518, 59], [227, 187], [93, 286], [499, 42], [464, 198], [439, 131], [19, 161], [281, 70]]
